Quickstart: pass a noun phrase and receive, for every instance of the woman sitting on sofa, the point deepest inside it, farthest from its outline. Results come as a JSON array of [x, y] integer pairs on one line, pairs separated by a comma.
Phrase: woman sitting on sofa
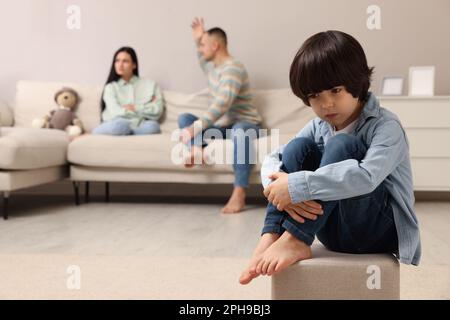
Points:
[[130, 105]]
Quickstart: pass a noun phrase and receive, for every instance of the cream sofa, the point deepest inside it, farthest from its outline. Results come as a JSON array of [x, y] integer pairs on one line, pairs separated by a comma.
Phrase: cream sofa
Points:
[[31, 157]]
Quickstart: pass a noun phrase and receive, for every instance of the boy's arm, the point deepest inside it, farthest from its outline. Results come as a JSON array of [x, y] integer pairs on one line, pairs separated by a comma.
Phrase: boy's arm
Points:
[[350, 178], [272, 162]]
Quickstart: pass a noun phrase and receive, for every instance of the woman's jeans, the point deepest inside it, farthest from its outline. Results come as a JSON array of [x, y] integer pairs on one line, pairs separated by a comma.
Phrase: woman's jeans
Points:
[[363, 224], [244, 152], [122, 127]]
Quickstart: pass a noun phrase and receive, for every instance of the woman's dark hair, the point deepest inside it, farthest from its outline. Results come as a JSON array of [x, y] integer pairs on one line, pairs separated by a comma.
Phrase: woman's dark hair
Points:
[[113, 76], [327, 60]]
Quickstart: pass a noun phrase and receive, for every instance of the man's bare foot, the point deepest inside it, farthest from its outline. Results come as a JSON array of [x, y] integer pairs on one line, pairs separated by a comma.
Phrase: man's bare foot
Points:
[[284, 252], [236, 202], [195, 157], [265, 242]]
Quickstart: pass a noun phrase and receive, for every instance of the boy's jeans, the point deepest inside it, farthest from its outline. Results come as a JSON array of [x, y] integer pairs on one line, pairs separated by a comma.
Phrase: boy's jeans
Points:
[[243, 158], [363, 224]]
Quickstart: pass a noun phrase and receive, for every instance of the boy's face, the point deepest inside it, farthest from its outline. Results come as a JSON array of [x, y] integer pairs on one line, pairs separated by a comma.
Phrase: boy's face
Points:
[[336, 106]]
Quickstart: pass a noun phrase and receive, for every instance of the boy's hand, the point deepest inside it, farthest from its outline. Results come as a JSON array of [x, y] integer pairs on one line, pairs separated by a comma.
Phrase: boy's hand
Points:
[[278, 192], [198, 29], [304, 210]]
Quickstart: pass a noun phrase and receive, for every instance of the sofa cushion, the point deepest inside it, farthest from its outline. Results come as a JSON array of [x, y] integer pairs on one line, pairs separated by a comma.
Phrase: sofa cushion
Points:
[[36, 99], [156, 152], [26, 149], [138, 152], [279, 108], [178, 103], [6, 115]]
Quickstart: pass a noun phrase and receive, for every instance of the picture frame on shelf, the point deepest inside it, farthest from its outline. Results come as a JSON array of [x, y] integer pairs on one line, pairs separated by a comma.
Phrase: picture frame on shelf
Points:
[[392, 86], [422, 81]]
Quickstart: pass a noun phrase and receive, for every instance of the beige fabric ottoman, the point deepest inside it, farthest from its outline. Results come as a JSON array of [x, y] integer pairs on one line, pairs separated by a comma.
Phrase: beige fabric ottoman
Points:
[[337, 276]]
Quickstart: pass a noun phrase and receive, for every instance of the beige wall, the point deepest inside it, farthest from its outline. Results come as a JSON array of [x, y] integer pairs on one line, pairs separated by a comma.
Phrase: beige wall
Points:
[[264, 34]]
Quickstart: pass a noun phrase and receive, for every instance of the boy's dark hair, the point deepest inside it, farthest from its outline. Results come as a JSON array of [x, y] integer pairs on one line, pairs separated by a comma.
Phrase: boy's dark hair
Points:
[[218, 32], [327, 60]]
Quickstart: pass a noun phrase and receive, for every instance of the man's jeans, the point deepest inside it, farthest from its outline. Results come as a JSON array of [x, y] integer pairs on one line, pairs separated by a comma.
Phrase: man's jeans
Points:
[[122, 127], [363, 224], [244, 156]]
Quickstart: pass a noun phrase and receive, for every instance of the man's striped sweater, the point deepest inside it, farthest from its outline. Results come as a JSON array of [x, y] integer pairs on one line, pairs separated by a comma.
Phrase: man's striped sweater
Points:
[[229, 87]]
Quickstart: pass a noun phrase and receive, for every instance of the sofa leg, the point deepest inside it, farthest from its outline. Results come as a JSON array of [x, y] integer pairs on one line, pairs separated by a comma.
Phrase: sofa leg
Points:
[[86, 192], [76, 189], [5, 205], [106, 192]]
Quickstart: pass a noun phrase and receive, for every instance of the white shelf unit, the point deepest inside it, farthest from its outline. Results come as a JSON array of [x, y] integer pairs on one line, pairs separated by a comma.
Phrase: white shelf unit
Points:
[[427, 124]]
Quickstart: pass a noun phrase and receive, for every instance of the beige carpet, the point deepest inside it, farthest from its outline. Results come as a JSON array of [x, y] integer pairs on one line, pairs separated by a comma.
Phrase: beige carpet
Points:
[[166, 251], [46, 277], [122, 277], [425, 282]]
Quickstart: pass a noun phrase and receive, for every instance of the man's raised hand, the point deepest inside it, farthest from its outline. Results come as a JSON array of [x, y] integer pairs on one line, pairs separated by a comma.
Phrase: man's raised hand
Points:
[[198, 29]]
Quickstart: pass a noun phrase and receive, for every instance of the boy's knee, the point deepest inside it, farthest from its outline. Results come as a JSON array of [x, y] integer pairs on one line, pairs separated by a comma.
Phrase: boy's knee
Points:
[[342, 142], [298, 146], [295, 153], [343, 147]]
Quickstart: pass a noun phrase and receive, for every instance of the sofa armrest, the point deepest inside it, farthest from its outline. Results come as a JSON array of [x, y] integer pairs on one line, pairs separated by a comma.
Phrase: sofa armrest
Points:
[[6, 115]]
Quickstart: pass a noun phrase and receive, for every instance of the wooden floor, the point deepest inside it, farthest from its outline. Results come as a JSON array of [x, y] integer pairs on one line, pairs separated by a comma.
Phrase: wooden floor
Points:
[[135, 226]]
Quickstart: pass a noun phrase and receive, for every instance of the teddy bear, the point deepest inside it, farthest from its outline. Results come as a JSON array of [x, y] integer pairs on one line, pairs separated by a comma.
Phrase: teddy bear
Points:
[[63, 117]]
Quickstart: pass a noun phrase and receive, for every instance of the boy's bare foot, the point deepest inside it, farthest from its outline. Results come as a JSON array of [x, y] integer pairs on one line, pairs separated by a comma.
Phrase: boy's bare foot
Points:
[[236, 202], [284, 252], [266, 241]]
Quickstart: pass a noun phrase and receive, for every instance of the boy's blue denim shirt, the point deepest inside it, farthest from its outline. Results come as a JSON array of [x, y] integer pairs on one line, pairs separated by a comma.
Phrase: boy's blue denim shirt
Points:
[[387, 161]]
